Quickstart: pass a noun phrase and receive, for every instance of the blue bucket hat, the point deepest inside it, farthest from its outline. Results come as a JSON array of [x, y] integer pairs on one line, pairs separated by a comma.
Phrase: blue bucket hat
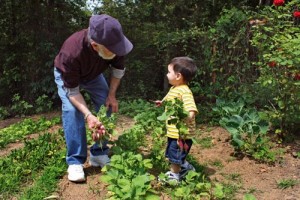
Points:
[[107, 31]]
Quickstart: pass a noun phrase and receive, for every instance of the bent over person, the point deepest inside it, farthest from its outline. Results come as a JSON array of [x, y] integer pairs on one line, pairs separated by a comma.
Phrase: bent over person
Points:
[[82, 59]]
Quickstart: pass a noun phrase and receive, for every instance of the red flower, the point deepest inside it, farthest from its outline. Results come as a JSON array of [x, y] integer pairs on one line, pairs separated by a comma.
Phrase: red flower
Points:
[[272, 64], [278, 2], [297, 14]]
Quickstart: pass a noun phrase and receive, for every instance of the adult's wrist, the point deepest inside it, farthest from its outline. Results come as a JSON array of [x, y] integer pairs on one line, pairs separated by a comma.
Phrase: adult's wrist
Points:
[[87, 115]]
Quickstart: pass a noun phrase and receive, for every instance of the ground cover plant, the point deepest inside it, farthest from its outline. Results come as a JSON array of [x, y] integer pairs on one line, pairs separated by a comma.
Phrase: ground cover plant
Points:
[[28, 126], [23, 167]]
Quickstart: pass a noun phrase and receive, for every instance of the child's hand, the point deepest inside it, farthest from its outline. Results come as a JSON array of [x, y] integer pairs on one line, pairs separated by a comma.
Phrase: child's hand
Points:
[[182, 145], [158, 103]]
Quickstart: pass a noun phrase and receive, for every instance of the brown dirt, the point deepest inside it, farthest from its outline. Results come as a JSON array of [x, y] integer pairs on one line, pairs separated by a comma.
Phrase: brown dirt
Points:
[[220, 166]]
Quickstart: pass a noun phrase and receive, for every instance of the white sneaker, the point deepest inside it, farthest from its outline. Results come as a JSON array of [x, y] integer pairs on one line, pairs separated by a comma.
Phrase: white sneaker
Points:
[[170, 178], [99, 161], [76, 173]]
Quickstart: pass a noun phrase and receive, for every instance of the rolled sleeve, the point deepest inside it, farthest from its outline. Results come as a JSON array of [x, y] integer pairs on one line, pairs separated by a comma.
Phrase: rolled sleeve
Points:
[[117, 73], [72, 91]]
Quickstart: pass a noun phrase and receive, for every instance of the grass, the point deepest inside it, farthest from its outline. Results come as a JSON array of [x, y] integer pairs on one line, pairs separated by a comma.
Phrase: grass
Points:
[[206, 142], [287, 183], [217, 163]]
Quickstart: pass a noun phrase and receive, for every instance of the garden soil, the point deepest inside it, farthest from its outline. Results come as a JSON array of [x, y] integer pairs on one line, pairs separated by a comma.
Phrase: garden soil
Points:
[[244, 174]]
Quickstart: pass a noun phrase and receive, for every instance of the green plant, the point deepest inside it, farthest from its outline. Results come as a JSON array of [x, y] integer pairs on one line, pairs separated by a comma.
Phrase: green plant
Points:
[[134, 107], [234, 177], [3, 112], [128, 178], [194, 187], [279, 66], [217, 163], [229, 190], [287, 183], [248, 135], [22, 165], [43, 104], [175, 114], [249, 197], [20, 106], [28, 126], [205, 142], [228, 108], [130, 140]]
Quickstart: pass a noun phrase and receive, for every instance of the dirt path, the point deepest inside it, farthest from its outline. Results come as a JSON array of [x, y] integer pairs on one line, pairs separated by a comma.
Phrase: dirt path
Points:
[[247, 174]]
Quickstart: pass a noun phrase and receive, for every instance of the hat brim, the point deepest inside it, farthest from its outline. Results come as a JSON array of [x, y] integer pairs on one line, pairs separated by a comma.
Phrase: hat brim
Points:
[[122, 48]]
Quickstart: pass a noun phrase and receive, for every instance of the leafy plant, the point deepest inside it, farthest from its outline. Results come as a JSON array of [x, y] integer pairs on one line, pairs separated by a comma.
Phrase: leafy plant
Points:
[[175, 114], [22, 164], [249, 197], [43, 104], [130, 140], [3, 112], [28, 126], [194, 187], [20, 106], [226, 109], [128, 178], [248, 135], [279, 65]]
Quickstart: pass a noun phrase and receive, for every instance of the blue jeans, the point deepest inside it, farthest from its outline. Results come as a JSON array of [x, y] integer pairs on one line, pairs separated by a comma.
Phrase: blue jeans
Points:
[[73, 119], [174, 153]]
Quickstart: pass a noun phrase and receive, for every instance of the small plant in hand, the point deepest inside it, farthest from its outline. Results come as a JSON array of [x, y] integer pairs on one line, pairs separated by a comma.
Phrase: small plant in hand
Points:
[[107, 129], [175, 114]]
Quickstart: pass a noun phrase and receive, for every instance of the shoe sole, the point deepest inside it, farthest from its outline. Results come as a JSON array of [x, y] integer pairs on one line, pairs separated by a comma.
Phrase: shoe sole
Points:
[[94, 164], [77, 180]]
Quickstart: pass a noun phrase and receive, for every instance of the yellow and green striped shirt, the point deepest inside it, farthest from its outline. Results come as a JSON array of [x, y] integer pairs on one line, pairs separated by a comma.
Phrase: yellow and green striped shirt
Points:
[[184, 94]]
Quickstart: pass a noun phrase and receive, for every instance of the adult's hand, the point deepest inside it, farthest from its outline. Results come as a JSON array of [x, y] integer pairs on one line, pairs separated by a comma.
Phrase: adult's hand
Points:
[[98, 130], [111, 102]]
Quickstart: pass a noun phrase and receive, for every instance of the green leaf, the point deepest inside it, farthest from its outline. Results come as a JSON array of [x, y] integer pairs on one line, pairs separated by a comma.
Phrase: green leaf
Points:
[[163, 117], [249, 197]]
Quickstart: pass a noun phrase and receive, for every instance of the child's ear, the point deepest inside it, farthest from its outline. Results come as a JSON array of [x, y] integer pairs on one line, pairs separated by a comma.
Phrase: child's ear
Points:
[[178, 76]]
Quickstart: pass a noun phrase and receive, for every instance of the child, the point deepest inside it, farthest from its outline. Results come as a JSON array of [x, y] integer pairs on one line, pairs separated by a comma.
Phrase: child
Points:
[[181, 70]]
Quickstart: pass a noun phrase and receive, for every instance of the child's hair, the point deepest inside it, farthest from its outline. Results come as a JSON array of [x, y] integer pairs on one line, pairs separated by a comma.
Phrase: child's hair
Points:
[[184, 65]]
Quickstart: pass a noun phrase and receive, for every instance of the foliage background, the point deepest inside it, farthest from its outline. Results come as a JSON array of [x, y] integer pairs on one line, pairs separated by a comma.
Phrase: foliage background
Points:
[[232, 54]]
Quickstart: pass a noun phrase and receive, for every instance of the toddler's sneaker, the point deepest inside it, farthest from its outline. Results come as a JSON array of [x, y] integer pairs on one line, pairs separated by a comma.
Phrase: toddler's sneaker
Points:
[[185, 168], [99, 161], [171, 178], [76, 173]]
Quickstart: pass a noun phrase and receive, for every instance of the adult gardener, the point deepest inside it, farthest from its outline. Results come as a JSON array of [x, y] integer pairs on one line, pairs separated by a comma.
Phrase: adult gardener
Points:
[[84, 56]]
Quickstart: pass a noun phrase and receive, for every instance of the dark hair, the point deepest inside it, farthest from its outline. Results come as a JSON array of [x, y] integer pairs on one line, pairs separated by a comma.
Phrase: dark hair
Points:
[[184, 65]]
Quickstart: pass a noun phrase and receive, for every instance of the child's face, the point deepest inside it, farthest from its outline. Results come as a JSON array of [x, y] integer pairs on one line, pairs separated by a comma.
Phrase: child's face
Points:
[[173, 77]]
